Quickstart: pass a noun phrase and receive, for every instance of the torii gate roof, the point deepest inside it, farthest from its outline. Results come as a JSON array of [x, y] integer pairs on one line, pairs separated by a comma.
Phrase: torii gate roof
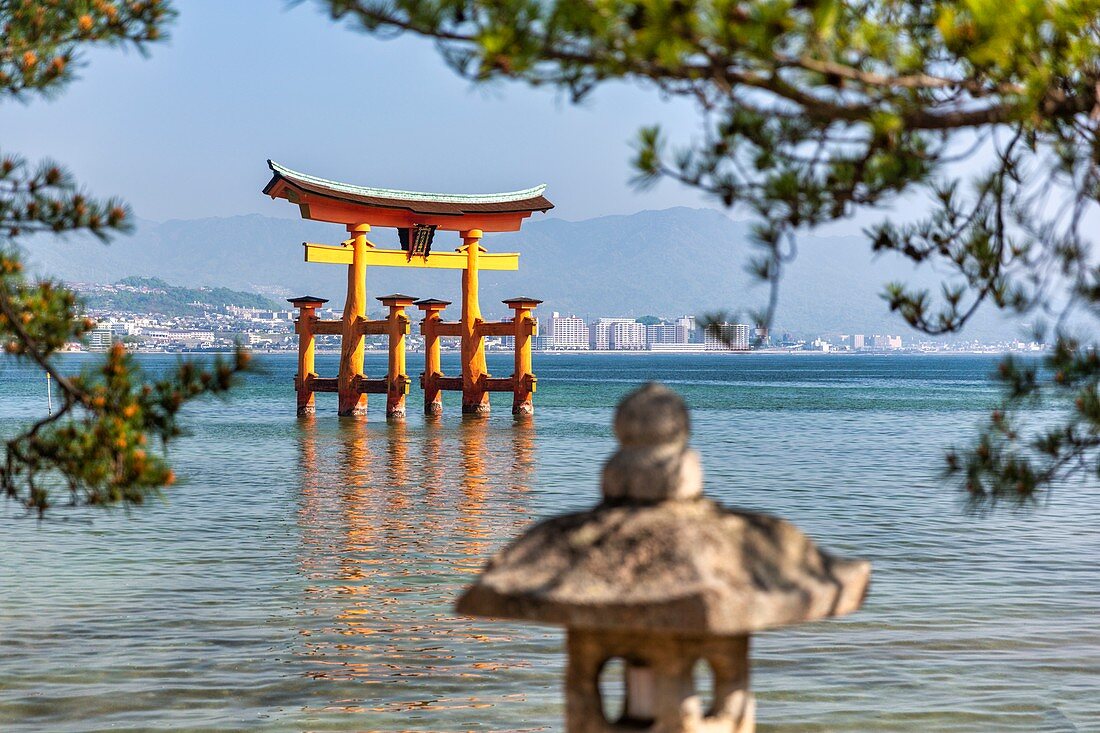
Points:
[[345, 203]]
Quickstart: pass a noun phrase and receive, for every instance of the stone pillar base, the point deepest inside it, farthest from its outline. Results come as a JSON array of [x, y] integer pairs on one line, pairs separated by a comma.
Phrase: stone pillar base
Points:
[[478, 408], [667, 702], [433, 408]]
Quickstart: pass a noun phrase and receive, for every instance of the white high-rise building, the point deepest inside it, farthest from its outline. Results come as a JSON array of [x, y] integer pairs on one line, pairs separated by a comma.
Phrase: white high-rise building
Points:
[[890, 343], [600, 331], [99, 338], [566, 333], [729, 337], [688, 329], [664, 333], [628, 336]]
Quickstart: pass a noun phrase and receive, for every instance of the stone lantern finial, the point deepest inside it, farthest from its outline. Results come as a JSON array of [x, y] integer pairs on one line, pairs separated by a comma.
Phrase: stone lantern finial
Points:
[[653, 462], [662, 578]]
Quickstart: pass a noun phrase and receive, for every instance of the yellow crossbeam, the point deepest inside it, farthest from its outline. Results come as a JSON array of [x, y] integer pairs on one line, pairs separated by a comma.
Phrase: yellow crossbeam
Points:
[[328, 328], [328, 254], [336, 328], [448, 328], [496, 328]]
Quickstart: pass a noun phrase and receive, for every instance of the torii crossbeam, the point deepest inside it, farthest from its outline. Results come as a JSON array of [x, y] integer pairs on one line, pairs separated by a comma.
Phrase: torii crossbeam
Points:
[[417, 217]]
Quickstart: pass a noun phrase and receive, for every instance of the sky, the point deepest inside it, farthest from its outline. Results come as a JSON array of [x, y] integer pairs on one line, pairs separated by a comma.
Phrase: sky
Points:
[[185, 133]]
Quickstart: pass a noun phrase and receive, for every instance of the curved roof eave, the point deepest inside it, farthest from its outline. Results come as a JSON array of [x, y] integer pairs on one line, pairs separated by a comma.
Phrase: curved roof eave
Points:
[[292, 176]]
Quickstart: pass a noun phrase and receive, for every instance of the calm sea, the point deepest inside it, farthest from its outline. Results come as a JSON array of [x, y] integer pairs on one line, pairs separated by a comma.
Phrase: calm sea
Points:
[[301, 575]]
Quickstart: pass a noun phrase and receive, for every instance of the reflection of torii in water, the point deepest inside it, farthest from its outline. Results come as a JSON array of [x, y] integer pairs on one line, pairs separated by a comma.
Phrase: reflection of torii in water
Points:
[[417, 216], [390, 534]]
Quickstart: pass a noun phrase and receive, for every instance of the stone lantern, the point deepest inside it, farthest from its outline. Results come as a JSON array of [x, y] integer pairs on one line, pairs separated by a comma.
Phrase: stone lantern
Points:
[[661, 577]]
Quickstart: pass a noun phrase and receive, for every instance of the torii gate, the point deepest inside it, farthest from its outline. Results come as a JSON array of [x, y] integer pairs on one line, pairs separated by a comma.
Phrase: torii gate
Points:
[[417, 216]]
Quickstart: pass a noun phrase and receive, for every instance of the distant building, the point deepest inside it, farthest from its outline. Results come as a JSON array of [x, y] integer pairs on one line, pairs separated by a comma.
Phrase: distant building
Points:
[[689, 330], [728, 337], [99, 338], [858, 342], [601, 329], [886, 343], [678, 348], [195, 338], [179, 337], [119, 328], [663, 333], [680, 332], [628, 336], [566, 333], [259, 314]]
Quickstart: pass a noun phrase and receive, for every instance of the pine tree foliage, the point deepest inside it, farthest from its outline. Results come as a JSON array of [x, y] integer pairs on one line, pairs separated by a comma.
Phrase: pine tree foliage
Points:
[[94, 448], [985, 112]]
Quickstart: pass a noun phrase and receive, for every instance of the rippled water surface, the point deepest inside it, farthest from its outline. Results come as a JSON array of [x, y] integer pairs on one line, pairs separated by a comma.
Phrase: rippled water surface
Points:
[[301, 576]]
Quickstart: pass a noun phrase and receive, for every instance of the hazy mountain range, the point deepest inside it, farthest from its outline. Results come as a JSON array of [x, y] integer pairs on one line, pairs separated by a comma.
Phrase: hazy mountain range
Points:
[[665, 263], [137, 294]]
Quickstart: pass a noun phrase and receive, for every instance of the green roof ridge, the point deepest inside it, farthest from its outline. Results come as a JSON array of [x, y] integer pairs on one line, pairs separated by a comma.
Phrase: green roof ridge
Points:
[[389, 193]]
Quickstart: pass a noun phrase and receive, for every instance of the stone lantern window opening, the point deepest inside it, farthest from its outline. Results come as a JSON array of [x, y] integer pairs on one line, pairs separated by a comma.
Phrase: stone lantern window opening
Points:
[[627, 689], [703, 684], [611, 687]]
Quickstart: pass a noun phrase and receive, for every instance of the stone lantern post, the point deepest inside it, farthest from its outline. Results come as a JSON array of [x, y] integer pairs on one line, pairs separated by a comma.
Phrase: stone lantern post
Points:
[[662, 577]]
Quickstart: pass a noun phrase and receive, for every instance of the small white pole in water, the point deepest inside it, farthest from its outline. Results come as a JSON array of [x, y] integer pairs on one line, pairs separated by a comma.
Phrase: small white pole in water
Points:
[[49, 395]]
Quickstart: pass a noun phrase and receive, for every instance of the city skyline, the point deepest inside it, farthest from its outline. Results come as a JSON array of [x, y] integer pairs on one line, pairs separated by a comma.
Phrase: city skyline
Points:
[[221, 328]]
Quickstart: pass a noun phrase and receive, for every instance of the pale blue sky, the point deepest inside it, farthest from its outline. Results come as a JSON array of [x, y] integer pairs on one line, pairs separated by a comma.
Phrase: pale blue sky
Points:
[[185, 133]]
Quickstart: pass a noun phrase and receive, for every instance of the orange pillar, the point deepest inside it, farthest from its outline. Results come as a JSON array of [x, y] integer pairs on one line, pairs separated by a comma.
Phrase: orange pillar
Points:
[[523, 378], [397, 326], [307, 306], [475, 400], [355, 312], [433, 367]]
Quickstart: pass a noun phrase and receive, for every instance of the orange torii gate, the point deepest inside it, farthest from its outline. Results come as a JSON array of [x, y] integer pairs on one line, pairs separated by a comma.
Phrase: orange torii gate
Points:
[[417, 217]]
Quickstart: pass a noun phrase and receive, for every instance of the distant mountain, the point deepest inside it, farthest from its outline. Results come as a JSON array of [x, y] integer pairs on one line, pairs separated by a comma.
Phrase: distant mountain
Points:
[[666, 263], [136, 294]]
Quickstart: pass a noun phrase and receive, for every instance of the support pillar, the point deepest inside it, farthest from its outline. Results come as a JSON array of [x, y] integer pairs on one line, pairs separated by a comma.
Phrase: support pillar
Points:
[[523, 378], [397, 327], [355, 311], [475, 399], [307, 306], [433, 367]]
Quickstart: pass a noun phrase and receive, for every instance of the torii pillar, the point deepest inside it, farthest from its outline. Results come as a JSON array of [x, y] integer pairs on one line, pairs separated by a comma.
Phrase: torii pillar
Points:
[[307, 306], [433, 366], [397, 327], [475, 397], [523, 377], [351, 400]]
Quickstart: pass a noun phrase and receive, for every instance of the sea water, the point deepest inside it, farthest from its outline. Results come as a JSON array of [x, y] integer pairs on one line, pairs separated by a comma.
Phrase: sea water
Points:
[[301, 574]]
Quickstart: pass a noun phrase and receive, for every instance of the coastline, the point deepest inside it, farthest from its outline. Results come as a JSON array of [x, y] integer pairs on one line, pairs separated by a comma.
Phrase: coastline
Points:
[[627, 353]]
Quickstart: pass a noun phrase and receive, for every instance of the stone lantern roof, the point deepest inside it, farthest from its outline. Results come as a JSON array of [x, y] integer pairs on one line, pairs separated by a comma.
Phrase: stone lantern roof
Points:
[[656, 555]]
